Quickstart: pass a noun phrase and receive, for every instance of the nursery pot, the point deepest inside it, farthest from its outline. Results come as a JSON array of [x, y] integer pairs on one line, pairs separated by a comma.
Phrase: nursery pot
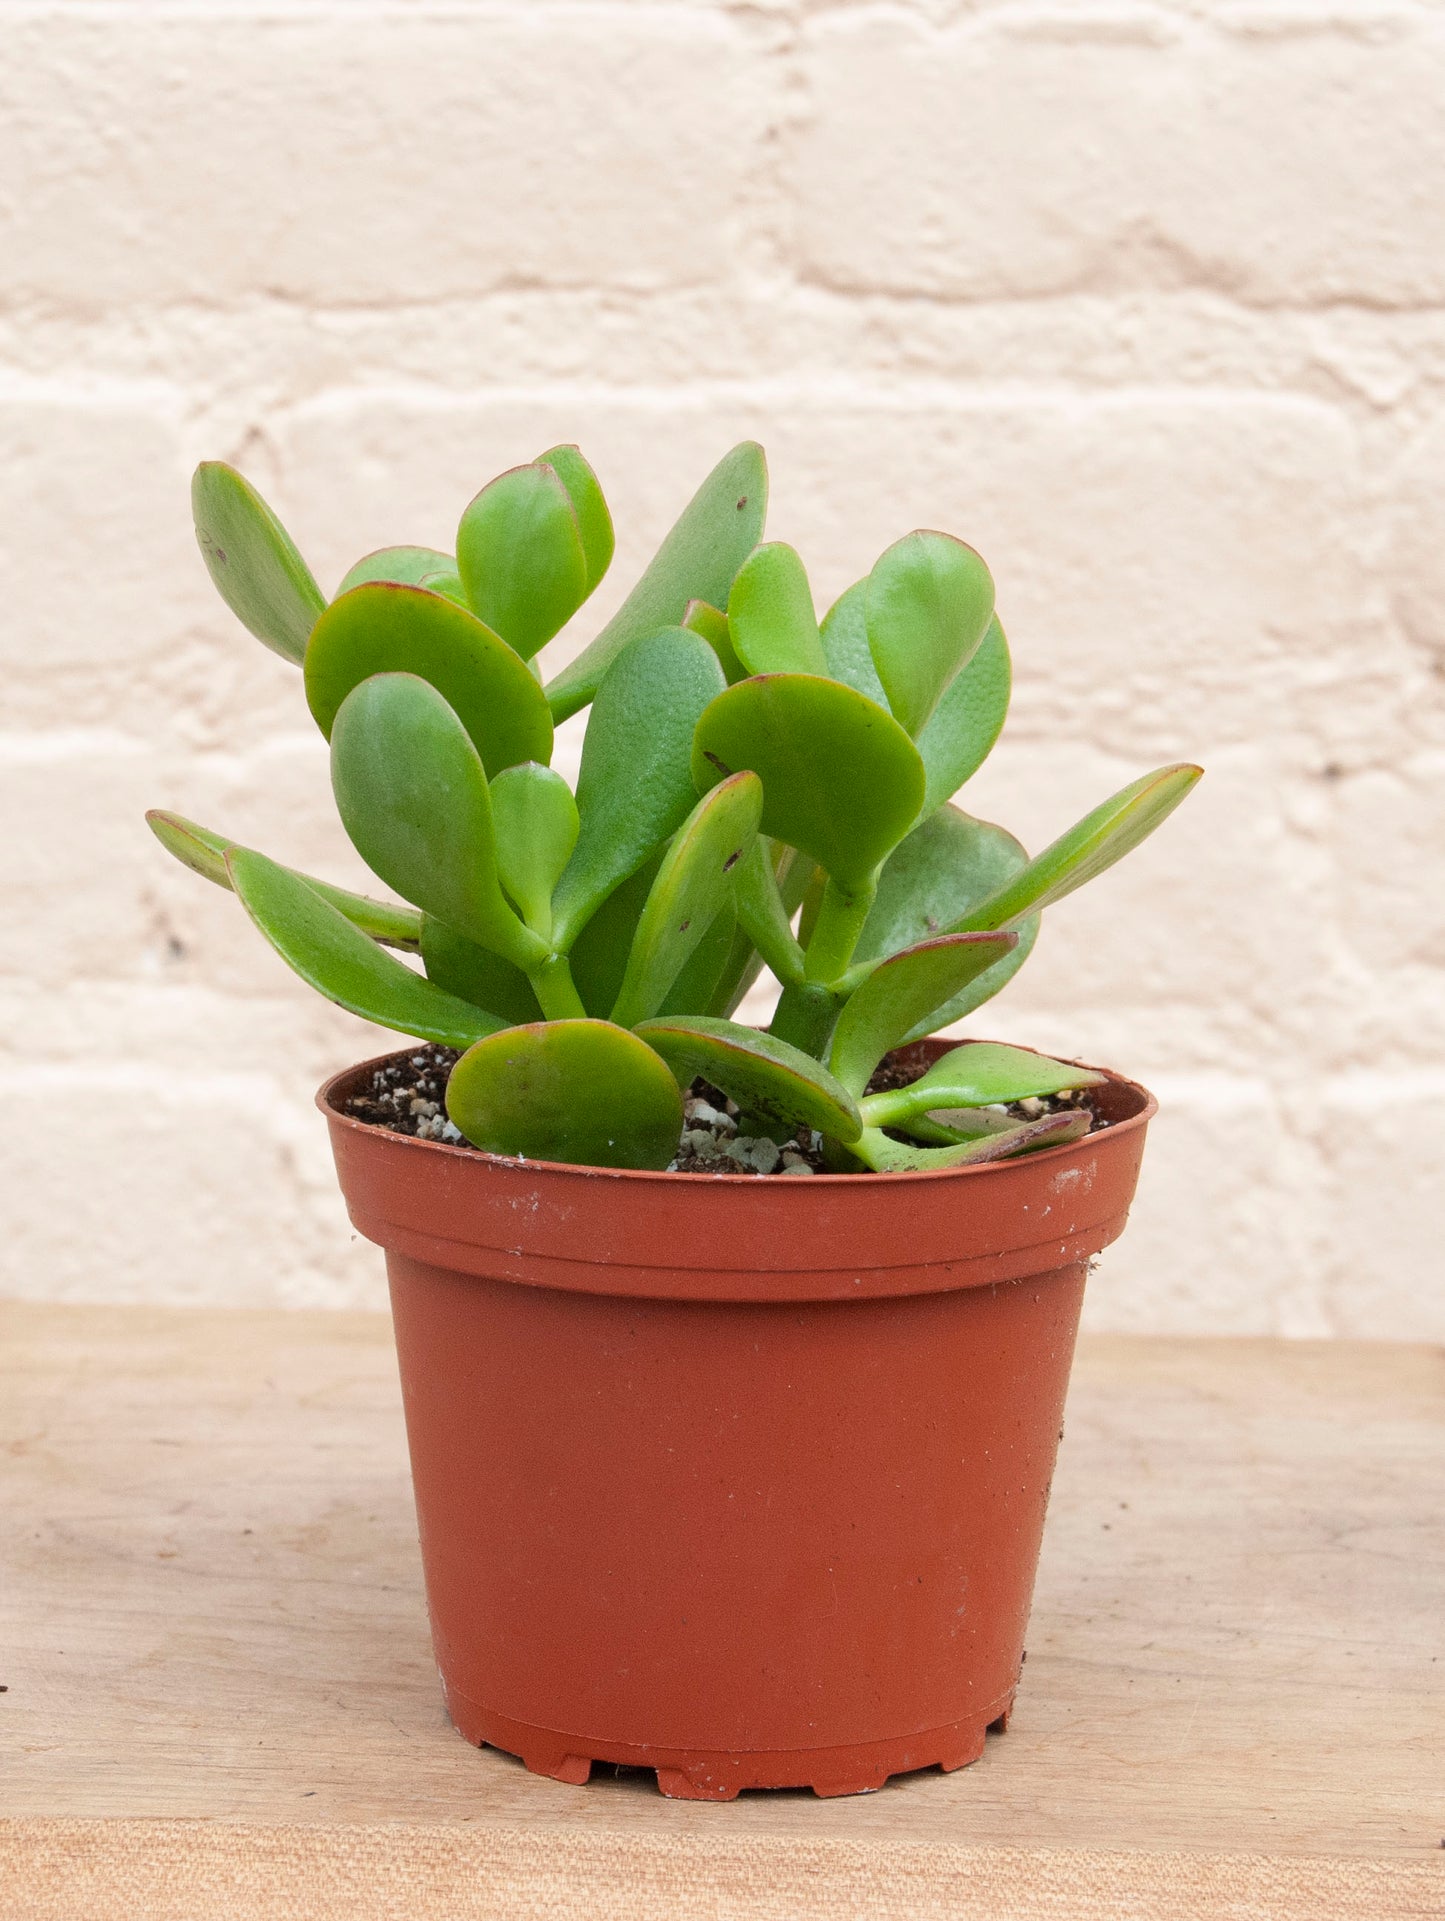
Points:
[[742, 1479]]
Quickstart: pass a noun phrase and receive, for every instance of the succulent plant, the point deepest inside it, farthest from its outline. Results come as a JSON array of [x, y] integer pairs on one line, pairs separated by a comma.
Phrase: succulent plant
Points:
[[756, 788]]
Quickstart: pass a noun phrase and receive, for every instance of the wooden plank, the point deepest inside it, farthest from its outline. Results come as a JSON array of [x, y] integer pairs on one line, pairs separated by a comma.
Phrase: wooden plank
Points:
[[215, 1651]]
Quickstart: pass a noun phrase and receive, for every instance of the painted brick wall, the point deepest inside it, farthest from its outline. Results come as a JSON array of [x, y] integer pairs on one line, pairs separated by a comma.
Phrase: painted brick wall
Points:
[[1147, 301]]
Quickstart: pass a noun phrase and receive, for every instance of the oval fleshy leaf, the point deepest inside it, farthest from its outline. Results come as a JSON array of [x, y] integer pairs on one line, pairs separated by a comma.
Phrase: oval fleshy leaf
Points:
[[577, 1091], [534, 820], [402, 566], [381, 628], [1087, 850], [701, 618], [319, 943], [900, 992], [961, 733], [476, 973], [761, 1073], [598, 957], [521, 558], [594, 517], [886, 1156], [397, 750], [763, 914], [711, 539], [929, 602], [841, 779], [771, 621], [701, 974], [253, 560], [693, 884], [635, 786], [205, 853], [945, 866], [977, 1074]]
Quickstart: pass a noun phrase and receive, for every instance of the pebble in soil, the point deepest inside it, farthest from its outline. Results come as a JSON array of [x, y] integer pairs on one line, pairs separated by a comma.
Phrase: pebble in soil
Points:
[[407, 1095]]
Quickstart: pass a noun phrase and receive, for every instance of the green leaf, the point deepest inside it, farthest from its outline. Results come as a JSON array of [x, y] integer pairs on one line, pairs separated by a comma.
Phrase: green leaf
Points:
[[841, 779], [578, 1091], [693, 884], [701, 975], [1087, 850], [977, 1074], [946, 865], [764, 916], [771, 620], [599, 955], [476, 973], [701, 618], [594, 518], [521, 557], [844, 635], [886, 1156], [635, 787], [929, 602], [714, 535], [205, 853], [900, 992], [762, 1074], [320, 944], [253, 560], [413, 797], [402, 566], [534, 819], [381, 628], [967, 721]]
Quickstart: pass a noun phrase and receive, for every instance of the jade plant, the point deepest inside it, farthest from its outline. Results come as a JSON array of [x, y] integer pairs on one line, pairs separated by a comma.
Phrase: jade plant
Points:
[[757, 788]]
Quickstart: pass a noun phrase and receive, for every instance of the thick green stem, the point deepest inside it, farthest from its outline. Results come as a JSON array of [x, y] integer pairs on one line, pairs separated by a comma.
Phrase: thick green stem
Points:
[[840, 922], [805, 1016], [556, 994]]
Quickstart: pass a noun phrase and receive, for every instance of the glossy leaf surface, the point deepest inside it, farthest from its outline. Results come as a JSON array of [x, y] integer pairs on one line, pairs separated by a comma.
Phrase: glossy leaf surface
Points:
[[534, 820], [578, 1091], [885, 1156], [205, 853], [635, 787], [841, 779], [476, 973], [521, 557], [978, 1074], [711, 539], [598, 956], [253, 560], [900, 992], [844, 636], [403, 566], [413, 797], [763, 914], [771, 621], [929, 602], [589, 504], [762, 1074], [1088, 849], [699, 977], [320, 944], [968, 720], [702, 618], [381, 628], [693, 884]]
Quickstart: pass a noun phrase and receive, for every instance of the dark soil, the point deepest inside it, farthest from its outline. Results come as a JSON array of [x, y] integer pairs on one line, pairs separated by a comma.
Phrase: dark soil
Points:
[[408, 1096]]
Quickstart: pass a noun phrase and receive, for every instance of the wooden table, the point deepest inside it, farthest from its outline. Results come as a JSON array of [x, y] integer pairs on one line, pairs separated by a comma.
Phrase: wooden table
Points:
[[221, 1701]]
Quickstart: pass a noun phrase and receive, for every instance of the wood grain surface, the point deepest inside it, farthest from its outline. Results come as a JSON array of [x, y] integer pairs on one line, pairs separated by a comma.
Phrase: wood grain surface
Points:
[[220, 1697]]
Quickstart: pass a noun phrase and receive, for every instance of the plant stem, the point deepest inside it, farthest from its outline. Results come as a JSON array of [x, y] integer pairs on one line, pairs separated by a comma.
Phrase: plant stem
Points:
[[556, 994], [840, 922], [805, 1017]]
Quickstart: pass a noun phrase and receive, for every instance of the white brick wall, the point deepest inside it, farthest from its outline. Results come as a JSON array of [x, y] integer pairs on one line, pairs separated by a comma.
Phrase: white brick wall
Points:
[[1148, 301]]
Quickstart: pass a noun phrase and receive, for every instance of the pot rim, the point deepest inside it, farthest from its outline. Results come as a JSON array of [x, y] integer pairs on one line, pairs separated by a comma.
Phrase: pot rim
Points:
[[336, 1086]]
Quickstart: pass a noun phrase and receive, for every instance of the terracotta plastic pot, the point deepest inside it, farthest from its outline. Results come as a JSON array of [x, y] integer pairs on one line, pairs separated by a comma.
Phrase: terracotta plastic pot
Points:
[[740, 1479]]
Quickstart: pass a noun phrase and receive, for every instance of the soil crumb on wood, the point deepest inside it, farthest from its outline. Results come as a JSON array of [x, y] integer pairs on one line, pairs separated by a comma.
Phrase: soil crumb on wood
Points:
[[407, 1095]]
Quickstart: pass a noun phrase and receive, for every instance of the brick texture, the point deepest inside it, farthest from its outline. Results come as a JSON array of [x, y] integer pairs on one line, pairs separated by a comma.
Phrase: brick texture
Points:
[[1146, 300]]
